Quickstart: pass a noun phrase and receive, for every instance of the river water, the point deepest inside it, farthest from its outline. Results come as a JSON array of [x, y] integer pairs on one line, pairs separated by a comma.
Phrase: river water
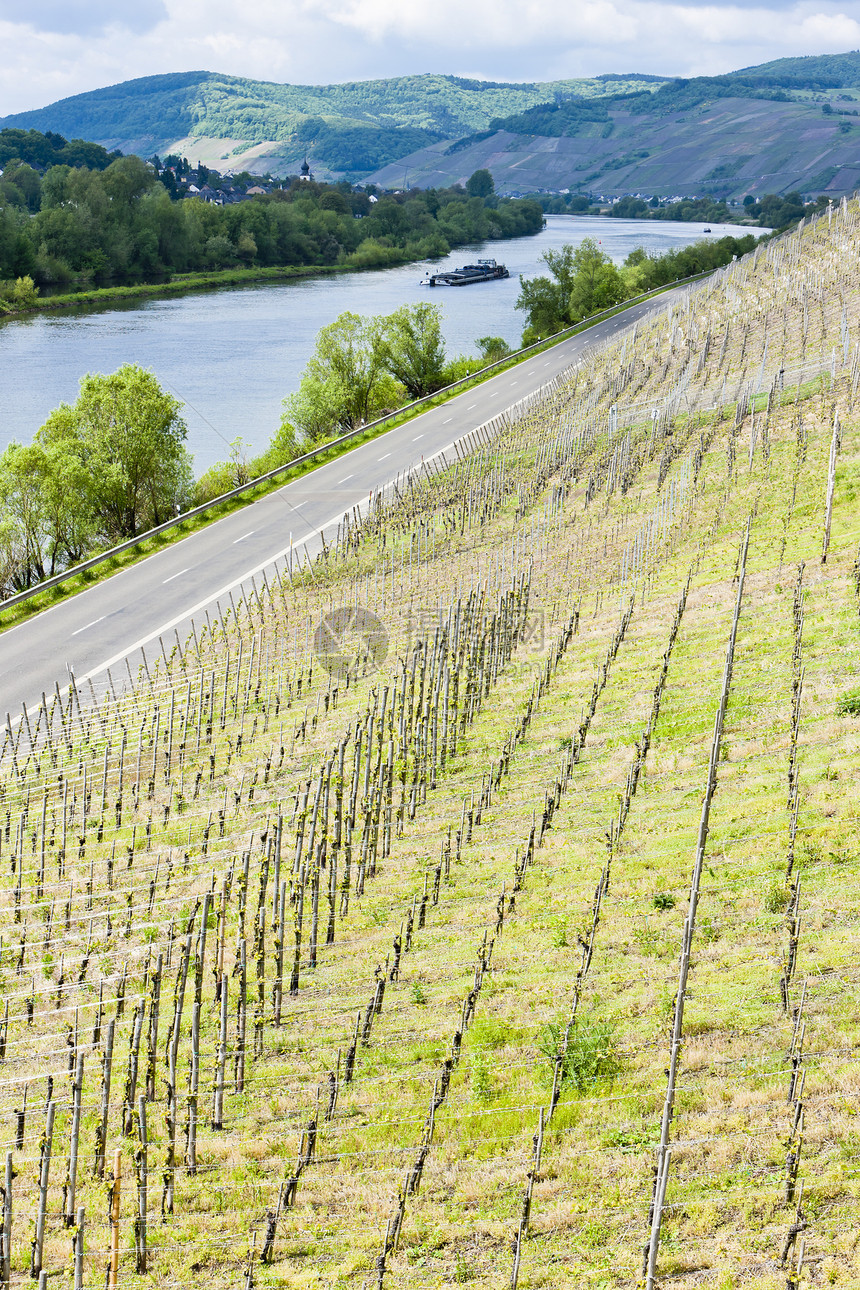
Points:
[[231, 356]]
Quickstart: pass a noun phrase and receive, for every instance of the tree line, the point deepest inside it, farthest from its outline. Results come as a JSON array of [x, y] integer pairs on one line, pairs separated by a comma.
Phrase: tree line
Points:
[[32, 148], [361, 369], [115, 463], [81, 226], [772, 210], [583, 279]]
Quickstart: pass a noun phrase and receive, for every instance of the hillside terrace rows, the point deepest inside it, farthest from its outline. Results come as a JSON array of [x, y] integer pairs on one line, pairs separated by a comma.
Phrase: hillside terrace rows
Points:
[[592, 507]]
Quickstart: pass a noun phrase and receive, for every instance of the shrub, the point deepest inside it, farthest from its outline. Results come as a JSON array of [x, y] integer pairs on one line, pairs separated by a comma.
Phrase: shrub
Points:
[[493, 348], [776, 898], [849, 704], [218, 479], [558, 930], [482, 1084], [457, 368], [20, 294], [591, 1056]]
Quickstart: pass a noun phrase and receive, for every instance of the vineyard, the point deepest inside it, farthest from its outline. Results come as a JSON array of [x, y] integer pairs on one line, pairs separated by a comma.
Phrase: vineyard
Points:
[[476, 901]]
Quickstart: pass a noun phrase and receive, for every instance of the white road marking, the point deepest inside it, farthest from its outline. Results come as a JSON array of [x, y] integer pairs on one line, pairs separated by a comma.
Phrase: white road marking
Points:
[[471, 405], [448, 422], [89, 625], [417, 437], [345, 478], [172, 576], [384, 455], [201, 604], [208, 600], [245, 535]]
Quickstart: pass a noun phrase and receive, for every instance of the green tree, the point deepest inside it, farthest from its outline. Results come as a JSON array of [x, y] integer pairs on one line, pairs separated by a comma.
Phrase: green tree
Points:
[[20, 294], [584, 280], [26, 180], [69, 523], [43, 497], [547, 300], [413, 348], [130, 439], [597, 284], [480, 184], [345, 382], [23, 512], [11, 556], [493, 348]]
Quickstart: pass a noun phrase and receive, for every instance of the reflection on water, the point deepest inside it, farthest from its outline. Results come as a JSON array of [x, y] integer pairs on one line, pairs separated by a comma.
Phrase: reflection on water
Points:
[[231, 356]]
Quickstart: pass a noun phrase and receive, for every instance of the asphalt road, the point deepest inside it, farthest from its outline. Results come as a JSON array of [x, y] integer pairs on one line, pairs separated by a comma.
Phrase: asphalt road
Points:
[[110, 622]]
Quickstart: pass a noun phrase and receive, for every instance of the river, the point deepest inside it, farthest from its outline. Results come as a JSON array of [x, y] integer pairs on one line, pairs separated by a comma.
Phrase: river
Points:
[[232, 355]]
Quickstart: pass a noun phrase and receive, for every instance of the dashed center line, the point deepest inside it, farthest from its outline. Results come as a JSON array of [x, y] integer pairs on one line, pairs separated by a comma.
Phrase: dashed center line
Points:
[[384, 455], [345, 478], [172, 576], [245, 535], [448, 422], [417, 437], [471, 405], [89, 625]]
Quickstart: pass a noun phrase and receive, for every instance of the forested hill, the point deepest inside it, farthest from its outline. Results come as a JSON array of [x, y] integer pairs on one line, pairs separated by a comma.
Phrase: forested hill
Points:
[[786, 126], [825, 71], [348, 129]]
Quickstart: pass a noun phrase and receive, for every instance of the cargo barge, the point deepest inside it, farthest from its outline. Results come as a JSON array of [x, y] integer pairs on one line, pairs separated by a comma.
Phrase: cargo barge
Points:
[[482, 271]]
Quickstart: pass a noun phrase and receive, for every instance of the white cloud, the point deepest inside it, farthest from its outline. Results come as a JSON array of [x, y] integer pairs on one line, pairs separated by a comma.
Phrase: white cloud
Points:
[[79, 16], [486, 24], [61, 47]]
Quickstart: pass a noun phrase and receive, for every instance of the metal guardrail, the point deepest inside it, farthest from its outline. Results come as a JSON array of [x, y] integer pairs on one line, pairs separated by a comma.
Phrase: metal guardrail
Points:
[[21, 597]]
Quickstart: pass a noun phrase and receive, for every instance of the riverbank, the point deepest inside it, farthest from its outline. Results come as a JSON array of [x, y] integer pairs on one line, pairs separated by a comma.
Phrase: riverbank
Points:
[[182, 283]]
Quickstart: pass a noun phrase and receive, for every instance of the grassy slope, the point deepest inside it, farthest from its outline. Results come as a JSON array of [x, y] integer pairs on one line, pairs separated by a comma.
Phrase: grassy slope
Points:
[[726, 1217]]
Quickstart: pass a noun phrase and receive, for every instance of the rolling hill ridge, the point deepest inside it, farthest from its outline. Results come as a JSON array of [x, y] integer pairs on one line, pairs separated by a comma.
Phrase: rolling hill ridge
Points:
[[792, 124]]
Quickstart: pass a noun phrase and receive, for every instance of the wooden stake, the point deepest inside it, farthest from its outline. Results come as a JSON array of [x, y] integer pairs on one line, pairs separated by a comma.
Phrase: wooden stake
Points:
[[113, 1266], [6, 1231], [78, 1246], [44, 1173], [72, 1174], [101, 1127], [141, 1167]]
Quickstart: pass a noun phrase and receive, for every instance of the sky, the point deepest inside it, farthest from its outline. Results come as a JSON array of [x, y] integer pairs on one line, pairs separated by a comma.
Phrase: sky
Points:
[[55, 48]]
